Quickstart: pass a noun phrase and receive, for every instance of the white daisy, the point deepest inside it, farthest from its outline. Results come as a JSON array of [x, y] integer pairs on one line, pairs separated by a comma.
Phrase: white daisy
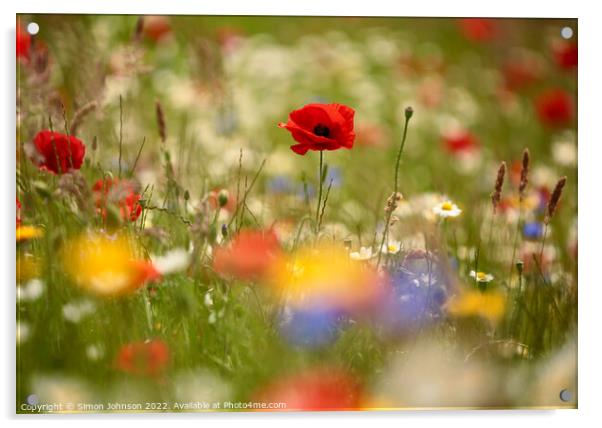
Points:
[[447, 209], [393, 247], [31, 291], [365, 253], [176, 260], [481, 276], [77, 310]]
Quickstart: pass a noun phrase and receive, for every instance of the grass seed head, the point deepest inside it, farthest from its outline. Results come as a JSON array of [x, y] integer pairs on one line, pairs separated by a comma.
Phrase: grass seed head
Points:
[[553, 203], [524, 173], [496, 196]]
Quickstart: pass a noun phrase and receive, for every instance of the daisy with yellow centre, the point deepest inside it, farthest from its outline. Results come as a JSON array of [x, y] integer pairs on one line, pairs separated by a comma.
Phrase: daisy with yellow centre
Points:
[[393, 247], [447, 209], [481, 276]]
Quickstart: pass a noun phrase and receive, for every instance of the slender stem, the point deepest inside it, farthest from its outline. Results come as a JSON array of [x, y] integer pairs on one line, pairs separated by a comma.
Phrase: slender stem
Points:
[[543, 244], [516, 233], [324, 204], [120, 132], [395, 190], [319, 192]]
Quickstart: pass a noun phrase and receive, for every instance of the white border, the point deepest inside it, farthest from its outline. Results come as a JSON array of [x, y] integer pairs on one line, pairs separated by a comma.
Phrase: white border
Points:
[[590, 181]]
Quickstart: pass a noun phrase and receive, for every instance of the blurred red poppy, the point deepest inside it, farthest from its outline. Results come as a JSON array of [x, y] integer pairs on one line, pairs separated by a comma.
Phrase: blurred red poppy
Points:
[[145, 272], [555, 107], [148, 358], [460, 142], [121, 193], [18, 212], [249, 256], [318, 389], [155, 27], [321, 127], [520, 71], [58, 152], [565, 54], [371, 135], [478, 29], [230, 38], [23, 43]]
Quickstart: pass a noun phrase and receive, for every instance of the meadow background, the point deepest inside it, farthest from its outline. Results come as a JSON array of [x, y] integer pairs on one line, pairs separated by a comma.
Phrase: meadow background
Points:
[[186, 109]]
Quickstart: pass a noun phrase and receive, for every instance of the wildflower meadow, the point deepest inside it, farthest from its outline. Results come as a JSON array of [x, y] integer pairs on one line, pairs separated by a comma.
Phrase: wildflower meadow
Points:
[[222, 213]]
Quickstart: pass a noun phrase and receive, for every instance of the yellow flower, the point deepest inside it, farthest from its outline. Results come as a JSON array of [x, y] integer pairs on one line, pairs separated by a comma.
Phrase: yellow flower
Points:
[[490, 306], [325, 275], [105, 265], [28, 267], [25, 233]]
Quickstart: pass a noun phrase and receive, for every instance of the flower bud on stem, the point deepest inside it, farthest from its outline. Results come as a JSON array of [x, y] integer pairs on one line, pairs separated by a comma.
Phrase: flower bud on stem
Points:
[[409, 112]]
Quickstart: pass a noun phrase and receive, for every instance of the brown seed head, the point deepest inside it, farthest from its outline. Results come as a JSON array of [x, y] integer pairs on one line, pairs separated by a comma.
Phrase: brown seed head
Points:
[[80, 114], [496, 196], [161, 121], [392, 202], [138, 31], [524, 173], [553, 203]]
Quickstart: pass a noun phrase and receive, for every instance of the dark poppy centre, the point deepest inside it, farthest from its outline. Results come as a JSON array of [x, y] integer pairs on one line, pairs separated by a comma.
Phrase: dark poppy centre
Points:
[[321, 130]]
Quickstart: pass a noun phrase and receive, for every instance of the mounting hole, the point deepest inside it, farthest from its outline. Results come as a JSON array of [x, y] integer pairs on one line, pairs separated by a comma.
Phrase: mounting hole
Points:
[[566, 395], [566, 33], [33, 28]]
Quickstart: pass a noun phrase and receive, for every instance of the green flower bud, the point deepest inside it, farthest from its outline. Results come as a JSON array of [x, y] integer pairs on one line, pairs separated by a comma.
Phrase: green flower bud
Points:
[[222, 198]]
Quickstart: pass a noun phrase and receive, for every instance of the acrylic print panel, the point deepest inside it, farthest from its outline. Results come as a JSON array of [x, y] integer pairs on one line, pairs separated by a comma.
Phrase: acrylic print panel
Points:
[[295, 213]]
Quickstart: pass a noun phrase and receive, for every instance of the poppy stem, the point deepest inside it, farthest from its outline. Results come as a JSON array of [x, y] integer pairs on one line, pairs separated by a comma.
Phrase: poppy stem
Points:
[[321, 179]]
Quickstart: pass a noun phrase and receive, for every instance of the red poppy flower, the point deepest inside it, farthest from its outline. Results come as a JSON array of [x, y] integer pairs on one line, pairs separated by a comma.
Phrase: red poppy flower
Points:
[[521, 70], [148, 358], [460, 142], [565, 54], [23, 43], [145, 272], [18, 212], [321, 127], [478, 29], [555, 108], [249, 255], [156, 27], [58, 153], [319, 389], [121, 193]]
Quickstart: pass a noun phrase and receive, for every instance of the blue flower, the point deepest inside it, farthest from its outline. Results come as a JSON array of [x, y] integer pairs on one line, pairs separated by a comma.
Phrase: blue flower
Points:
[[418, 292], [334, 174], [310, 327], [533, 230], [280, 184]]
